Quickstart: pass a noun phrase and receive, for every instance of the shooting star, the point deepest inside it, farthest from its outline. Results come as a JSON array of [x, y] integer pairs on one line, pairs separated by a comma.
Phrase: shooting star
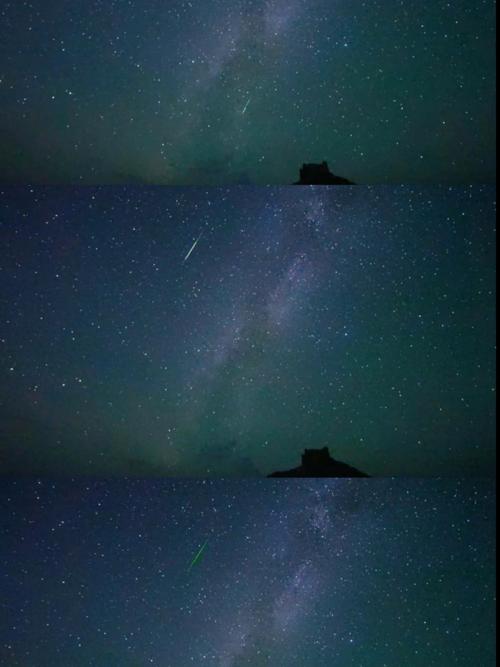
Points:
[[192, 248], [246, 106], [198, 556]]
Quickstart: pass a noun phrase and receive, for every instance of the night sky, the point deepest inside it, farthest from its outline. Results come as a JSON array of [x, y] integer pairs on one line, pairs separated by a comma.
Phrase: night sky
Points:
[[244, 91], [185, 331], [375, 573]]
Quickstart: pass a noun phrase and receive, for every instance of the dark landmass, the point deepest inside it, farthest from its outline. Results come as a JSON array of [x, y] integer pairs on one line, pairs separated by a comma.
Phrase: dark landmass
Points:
[[320, 174], [319, 463]]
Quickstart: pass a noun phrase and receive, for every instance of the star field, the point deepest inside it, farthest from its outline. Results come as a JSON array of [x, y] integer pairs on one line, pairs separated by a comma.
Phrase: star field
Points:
[[209, 332], [245, 91], [378, 573], [179, 322]]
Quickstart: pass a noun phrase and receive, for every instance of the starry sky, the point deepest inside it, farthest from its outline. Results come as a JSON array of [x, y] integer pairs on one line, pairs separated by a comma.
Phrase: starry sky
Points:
[[293, 573], [220, 331], [245, 91]]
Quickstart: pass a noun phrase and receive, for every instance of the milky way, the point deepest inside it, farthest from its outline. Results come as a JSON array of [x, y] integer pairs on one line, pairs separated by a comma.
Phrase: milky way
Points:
[[294, 573], [357, 318], [245, 91]]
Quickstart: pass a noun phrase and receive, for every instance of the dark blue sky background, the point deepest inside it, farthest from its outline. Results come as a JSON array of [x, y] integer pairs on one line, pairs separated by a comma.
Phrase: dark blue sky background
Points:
[[293, 573], [226, 91], [221, 331]]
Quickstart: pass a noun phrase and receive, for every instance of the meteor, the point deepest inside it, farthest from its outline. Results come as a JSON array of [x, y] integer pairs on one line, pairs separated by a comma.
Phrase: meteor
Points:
[[192, 248], [198, 556], [246, 106]]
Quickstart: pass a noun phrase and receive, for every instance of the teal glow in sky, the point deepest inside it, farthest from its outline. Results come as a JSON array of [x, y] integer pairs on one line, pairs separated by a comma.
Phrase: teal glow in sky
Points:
[[245, 91], [190, 331]]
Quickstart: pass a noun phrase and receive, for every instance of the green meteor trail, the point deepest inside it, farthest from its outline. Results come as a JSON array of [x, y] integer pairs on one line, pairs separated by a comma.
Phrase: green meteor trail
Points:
[[198, 556]]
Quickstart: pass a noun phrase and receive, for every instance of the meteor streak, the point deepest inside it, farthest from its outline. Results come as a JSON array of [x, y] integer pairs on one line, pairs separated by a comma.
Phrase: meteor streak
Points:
[[192, 248], [198, 556]]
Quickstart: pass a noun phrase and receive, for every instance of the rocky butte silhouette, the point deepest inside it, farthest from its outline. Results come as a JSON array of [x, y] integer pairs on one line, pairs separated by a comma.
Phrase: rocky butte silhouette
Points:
[[320, 174], [319, 463]]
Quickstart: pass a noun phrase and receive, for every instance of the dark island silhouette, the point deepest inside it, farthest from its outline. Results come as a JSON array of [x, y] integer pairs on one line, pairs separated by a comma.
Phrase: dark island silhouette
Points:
[[320, 174], [319, 463]]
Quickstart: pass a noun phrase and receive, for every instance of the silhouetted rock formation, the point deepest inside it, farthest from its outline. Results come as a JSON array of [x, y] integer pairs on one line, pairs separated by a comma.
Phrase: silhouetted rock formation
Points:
[[319, 463], [320, 174]]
